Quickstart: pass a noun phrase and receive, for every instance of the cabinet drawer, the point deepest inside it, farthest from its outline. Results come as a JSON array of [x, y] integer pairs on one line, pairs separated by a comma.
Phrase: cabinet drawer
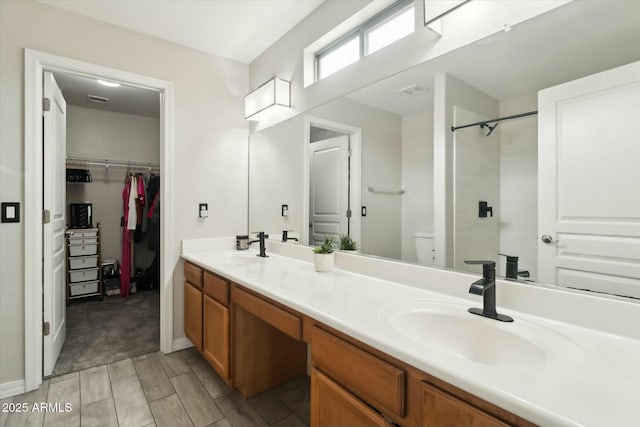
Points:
[[81, 234], [83, 275], [216, 287], [82, 250], [331, 405], [281, 319], [83, 288], [83, 240], [83, 262], [440, 409], [374, 380], [193, 274]]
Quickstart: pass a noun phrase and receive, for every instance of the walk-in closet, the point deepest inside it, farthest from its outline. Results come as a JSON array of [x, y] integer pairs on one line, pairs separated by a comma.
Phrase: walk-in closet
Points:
[[113, 180]]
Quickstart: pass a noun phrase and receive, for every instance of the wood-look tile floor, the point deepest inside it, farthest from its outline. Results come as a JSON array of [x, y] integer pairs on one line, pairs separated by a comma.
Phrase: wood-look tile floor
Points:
[[178, 389]]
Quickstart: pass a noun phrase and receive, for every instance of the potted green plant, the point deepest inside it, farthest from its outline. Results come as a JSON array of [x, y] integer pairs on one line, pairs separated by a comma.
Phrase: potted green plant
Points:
[[347, 243], [323, 257]]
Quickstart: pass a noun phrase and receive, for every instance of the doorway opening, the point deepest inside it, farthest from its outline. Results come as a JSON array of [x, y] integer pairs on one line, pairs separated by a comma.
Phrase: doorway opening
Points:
[[37, 283], [111, 252], [332, 188]]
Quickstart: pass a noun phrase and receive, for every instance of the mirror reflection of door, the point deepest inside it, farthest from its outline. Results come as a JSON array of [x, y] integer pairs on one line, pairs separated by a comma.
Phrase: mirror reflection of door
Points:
[[589, 211], [329, 187]]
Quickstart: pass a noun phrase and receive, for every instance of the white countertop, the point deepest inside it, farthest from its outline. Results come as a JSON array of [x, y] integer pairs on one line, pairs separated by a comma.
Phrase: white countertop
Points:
[[596, 385]]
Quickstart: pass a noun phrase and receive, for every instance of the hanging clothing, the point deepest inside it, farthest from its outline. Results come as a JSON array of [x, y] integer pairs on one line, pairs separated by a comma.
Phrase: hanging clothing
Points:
[[154, 225], [141, 207], [133, 191], [140, 199], [125, 262]]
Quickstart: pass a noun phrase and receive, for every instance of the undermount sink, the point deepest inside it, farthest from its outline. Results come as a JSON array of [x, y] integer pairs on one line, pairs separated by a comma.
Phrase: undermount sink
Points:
[[448, 328]]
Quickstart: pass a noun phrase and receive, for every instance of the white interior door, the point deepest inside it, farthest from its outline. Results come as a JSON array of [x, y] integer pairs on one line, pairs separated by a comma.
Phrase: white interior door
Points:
[[329, 188], [589, 182], [54, 283]]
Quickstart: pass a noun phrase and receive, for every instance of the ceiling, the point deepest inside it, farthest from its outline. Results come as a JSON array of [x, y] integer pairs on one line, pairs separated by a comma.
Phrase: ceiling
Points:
[[235, 29], [572, 41], [123, 99]]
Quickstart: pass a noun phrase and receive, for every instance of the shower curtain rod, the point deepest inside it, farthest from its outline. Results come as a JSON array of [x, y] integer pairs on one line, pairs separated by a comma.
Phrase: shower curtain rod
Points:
[[486, 122], [106, 163]]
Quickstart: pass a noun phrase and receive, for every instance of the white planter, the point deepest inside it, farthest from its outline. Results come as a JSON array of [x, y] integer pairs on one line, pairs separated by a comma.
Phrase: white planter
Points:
[[323, 262]]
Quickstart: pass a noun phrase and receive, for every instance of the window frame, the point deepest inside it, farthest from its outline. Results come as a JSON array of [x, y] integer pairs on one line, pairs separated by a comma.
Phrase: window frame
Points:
[[361, 32]]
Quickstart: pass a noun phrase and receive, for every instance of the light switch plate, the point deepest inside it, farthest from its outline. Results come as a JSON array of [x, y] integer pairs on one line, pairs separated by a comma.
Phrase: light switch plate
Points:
[[285, 210], [10, 212]]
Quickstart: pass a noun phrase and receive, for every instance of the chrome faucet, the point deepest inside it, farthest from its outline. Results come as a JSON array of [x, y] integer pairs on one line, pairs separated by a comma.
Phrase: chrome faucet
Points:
[[261, 237], [487, 288]]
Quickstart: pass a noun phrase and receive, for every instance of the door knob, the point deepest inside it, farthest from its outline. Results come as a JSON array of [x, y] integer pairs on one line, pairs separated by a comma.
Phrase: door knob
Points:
[[548, 239]]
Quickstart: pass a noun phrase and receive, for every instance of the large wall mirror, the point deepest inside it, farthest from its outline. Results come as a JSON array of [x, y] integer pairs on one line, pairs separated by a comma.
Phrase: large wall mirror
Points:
[[384, 166]]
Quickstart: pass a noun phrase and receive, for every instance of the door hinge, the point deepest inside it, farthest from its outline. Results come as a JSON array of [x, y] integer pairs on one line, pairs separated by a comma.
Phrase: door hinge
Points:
[[348, 213], [46, 328], [46, 104], [46, 216], [349, 152]]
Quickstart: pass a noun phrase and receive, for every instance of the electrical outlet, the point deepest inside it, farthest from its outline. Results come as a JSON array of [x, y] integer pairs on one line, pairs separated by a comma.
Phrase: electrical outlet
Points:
[[285, 210], [203, 210]]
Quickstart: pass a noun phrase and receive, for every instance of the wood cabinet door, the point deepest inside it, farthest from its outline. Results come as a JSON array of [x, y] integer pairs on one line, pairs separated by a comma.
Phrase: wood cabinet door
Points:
[[444, 410], [215, 324], [333, 406], [193, 314]]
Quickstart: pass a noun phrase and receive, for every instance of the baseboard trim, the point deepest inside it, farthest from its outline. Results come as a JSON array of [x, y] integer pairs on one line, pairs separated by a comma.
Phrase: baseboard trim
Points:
[[181, 343], [11, 388]]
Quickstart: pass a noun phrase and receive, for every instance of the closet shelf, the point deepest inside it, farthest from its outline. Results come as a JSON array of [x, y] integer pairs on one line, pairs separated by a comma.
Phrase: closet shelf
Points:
[[108, 163]]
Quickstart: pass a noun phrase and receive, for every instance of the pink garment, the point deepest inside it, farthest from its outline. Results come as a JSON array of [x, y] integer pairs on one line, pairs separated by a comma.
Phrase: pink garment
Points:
[[125, 275]]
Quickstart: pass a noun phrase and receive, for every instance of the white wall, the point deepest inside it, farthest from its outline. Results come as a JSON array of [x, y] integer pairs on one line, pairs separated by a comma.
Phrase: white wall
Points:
[[417, 178], [276, 174], [107, 135], [519, 183], [449, 92], [210, 133], [276, 169], [476, 177], [101, 134], [472, 22]]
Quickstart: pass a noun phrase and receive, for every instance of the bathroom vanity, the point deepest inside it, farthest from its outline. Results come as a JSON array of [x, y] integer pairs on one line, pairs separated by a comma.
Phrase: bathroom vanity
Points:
[[385, 353]]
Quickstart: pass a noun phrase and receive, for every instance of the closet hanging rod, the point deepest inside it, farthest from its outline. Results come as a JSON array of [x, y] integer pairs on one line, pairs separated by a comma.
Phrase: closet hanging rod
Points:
[[112, 163], [486, 122]]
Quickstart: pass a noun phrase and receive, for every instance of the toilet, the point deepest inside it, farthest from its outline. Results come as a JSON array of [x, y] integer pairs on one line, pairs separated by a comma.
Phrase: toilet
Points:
[[424, 247]]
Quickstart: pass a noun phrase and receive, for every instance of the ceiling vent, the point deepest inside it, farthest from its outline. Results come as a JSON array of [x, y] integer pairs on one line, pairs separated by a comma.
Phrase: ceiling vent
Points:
[[98, 99], [413, 90]]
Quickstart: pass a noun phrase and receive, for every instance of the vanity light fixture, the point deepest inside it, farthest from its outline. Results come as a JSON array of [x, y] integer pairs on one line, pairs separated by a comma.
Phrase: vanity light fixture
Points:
[[108, 84], [270, 95]]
